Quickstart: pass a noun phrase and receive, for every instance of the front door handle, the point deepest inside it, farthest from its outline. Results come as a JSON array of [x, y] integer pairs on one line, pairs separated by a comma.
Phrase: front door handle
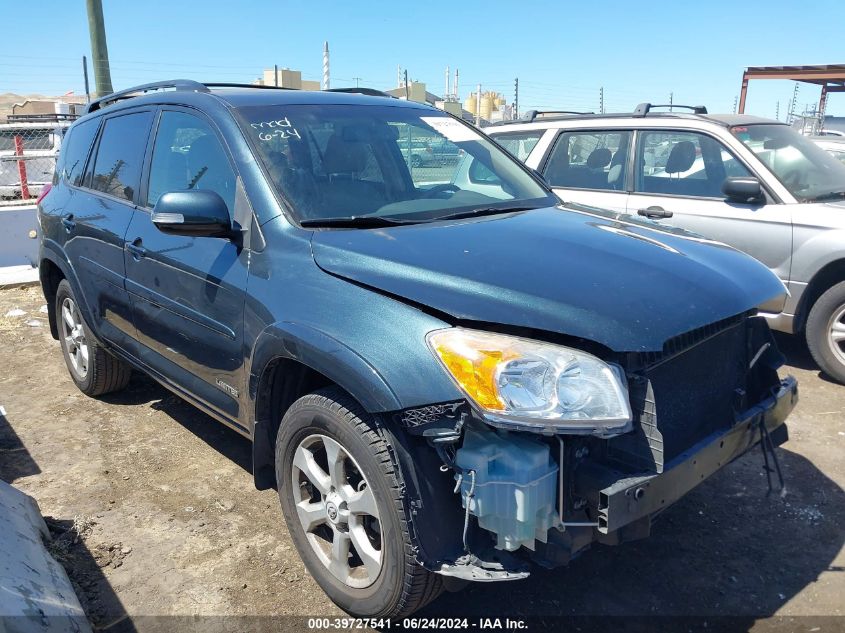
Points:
[[654, 213], [68, 223], [136, 249]]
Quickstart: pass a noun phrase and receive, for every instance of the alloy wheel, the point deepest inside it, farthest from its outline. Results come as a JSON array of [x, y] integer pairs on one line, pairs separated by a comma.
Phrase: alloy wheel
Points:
[[337, 510], [76, 345]]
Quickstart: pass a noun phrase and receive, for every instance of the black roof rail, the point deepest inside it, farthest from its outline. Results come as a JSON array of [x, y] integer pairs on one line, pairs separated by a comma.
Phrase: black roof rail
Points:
[[533, 114], [226, 84], [47, 117], [178, 84], [644, 108], [372, 92]]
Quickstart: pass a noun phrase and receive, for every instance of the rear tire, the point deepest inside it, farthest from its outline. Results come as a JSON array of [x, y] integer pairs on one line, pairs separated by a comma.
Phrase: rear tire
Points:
[[385, 579], [94, 370], [826, 332]]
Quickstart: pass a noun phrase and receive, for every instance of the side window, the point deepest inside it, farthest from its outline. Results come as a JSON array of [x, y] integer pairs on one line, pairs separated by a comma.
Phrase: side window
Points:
[[74, 151], [589, 160], [519, 144], [684, 164], [188, 155], [117, 168]]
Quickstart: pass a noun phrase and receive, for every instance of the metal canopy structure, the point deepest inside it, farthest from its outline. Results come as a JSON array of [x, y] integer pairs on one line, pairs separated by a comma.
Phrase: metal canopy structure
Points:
[[831, 78]]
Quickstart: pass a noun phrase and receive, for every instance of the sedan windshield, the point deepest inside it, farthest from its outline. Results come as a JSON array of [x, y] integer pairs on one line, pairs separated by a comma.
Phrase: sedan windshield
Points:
[[358, 165], [810, 173]]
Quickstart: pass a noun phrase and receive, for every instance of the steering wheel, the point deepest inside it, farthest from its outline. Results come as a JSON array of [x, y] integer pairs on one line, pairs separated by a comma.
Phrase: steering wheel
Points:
[[442, 188]]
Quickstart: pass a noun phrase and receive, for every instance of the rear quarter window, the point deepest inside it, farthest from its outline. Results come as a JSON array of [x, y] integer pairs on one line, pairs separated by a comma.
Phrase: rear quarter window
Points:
[[74, 151]]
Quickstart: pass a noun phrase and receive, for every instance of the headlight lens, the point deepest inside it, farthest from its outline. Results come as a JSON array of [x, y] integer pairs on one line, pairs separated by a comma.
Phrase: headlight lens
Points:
[[522, 383]]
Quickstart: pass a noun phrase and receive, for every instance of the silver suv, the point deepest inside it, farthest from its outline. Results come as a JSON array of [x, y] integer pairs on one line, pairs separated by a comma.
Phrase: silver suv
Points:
[[750, 182]]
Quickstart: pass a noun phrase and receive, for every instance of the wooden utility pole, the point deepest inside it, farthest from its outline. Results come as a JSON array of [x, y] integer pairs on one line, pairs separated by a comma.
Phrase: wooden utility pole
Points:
[[99, 50]]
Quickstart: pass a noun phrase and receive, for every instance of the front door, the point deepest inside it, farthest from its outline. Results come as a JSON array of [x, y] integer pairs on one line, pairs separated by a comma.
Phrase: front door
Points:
[[590, 167], [681, 173], [188, 292]]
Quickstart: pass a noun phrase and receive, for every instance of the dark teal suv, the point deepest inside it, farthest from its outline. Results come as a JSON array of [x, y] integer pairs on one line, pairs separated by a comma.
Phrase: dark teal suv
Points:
[[446, 377]]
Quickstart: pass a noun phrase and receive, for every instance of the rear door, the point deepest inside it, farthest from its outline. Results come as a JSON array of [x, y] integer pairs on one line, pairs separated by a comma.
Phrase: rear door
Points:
[[681, 173], [590, 167], [97, 215], [188, 292]]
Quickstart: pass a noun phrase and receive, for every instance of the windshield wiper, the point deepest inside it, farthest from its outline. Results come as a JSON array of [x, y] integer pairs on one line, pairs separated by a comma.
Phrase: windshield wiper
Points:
[[363, 222], [480, 211], [828, 196]]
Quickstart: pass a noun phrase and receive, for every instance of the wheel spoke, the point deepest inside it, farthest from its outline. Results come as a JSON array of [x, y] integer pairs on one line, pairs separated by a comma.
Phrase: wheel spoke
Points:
[[370, 556], [304, 461], [363, 502], [335, 455], [311, 514], [70, 343], [837, 332], [68, 317], [339, 563]]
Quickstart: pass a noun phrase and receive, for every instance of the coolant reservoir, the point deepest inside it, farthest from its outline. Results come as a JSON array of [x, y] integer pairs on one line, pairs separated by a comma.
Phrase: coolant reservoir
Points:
[[515, 485]]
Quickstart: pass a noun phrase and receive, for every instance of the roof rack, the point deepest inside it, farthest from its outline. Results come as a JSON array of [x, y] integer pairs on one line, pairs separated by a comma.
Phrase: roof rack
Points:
[[533, 114], [363, 91], [178, 84], [644, 108], [226, 84], [45, 117]]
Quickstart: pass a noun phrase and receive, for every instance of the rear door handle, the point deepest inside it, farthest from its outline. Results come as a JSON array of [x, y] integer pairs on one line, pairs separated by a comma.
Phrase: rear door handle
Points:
[[68, 223], [136, 249], [654, 213]]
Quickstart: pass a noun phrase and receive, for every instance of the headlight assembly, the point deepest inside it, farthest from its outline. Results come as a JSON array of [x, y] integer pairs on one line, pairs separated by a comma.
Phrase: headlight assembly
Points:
[[530, 385]]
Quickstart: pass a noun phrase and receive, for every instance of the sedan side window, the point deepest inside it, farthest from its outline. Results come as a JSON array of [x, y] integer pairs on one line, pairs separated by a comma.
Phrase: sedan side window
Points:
[[684, 164], [589, 160], [188, 155]]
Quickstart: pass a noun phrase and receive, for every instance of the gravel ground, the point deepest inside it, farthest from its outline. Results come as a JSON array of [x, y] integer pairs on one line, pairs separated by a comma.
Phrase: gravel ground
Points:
[[154, 512]]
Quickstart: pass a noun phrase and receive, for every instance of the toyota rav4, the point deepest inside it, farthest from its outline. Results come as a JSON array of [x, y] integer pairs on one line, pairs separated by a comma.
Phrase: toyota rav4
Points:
[[445, 381]]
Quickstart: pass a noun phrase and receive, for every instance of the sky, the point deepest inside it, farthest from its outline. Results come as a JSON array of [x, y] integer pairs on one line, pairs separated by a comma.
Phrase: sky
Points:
[[563, 52]]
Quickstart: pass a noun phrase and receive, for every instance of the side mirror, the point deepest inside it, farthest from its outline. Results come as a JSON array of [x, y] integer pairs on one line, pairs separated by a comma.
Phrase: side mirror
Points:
[[196, 213], [742, 189]]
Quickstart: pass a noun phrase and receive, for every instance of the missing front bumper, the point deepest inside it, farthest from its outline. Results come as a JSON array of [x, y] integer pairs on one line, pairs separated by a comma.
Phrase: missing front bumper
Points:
[[623, 501]]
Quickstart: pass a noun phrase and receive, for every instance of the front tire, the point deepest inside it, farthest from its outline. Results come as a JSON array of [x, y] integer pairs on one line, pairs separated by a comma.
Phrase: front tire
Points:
[[341, 498], [826, 332], [92, 368]]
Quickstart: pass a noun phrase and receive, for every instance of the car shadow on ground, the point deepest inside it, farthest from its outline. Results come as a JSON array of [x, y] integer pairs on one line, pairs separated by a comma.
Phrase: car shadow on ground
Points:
[[144, 390], [798, 355], [15, 460]]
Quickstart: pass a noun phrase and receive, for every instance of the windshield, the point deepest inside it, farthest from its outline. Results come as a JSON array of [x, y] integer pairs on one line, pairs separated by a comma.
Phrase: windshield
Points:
[[334, 162], [805, 169]]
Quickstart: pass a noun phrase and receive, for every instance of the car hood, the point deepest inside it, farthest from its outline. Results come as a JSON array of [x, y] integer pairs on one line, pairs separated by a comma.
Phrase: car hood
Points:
[[627, 284]]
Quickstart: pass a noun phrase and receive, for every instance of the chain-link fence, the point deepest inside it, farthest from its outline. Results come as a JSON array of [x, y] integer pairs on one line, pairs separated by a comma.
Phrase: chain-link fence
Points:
[[28, 150]]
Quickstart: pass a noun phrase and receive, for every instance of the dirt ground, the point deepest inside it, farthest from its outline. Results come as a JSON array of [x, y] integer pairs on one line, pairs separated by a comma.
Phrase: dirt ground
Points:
[[154, 511]]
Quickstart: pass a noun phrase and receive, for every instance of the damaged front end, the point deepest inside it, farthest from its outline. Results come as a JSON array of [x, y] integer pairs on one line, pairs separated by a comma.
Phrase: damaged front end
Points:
[[490, 493]]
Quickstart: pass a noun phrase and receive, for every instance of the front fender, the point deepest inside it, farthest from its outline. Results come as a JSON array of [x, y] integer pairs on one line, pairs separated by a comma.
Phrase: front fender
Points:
[[326, 355]]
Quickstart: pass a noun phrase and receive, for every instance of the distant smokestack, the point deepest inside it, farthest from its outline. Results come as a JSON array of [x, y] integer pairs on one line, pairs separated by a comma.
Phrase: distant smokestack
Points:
[[326, 82], [457, 94], [446, 94], [398, 75]]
